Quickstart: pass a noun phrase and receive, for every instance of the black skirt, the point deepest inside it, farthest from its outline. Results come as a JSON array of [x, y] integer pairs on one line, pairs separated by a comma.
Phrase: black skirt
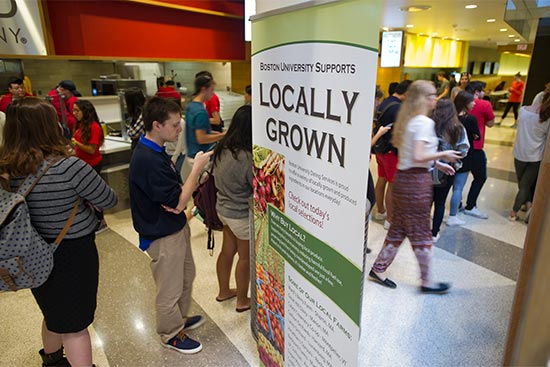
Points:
[[68, 298]]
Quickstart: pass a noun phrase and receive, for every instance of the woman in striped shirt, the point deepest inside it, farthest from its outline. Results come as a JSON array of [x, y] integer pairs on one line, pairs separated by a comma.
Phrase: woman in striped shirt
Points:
[[68, 298]]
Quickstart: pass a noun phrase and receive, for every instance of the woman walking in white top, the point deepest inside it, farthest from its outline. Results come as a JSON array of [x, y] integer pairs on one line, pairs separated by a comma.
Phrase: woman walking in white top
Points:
[[414, 137], [533, 126]]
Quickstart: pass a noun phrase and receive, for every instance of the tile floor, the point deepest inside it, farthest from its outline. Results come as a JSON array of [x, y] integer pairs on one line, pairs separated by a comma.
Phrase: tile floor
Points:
[[467, 327]]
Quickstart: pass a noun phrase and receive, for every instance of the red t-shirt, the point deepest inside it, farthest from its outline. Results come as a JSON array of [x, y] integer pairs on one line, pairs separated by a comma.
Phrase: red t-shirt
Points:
[[6, 100], [483, 112], [95, 138], [168, 92], [516, 90], [69, 103], [212, 105]]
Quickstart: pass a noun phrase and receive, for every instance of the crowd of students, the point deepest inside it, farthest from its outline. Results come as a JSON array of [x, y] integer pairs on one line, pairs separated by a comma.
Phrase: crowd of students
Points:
[[432, 139], [426, 143], [67, 152]]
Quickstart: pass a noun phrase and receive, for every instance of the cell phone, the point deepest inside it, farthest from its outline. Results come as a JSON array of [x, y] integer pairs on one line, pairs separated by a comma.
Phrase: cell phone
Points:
[[211, 148], [389, 125]]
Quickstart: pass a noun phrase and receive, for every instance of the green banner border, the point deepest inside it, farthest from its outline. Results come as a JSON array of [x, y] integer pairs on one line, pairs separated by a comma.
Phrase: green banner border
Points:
[[351, 22], [317, 41]]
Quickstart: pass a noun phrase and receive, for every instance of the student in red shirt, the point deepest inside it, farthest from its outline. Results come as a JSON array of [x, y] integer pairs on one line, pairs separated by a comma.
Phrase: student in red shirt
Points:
[[514, 100], [87, 138], [212, 106], [16, 90], [65, 92], [169, 91]]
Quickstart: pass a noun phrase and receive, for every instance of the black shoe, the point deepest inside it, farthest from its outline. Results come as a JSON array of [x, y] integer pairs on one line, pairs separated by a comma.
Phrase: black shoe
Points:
[[369, 250], [386, 282], [440, 288], [54, 359]]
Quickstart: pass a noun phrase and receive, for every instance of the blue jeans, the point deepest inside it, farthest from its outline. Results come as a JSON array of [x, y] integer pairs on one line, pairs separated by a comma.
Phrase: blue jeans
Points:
[[458, 187]]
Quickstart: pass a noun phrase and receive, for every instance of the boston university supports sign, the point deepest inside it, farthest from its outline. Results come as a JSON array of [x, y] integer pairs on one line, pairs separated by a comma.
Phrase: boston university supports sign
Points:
[[313, 82], [21, 28]]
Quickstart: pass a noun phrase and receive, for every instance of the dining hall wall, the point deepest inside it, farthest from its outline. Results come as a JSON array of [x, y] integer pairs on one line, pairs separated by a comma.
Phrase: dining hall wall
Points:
[[128, 29], [46, 74]]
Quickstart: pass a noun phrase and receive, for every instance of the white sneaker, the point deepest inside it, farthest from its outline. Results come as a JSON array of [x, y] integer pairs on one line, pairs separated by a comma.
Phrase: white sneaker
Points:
[[454, 220], [387, 225], [380, 216], [474, 212], [436, 238]]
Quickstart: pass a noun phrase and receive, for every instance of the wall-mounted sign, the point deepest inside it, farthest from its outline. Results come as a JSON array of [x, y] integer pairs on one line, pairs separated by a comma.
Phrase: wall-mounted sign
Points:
[[522, 47], [390, 53], [21, 28]]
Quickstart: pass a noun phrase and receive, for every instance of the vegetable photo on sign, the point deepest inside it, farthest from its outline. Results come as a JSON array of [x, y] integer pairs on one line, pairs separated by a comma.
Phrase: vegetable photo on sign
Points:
[[269, 179]]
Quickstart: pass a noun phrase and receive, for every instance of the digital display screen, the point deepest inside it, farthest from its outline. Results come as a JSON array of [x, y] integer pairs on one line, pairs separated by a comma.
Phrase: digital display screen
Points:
[[390, 54]]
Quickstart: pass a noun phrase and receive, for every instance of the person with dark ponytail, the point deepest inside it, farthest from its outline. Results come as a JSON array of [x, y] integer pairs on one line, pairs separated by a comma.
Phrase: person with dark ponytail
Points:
[[452, 136], [198, 132], [135, 99], [87, 138], [464, 103], [233, 177]]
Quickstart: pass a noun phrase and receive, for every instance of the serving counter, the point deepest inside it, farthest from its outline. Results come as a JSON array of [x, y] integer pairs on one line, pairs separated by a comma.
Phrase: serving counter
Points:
[[116, 153]]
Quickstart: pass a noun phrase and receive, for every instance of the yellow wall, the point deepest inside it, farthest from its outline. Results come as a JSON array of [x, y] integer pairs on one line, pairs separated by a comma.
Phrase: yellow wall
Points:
[[428, 52], [511, 63]]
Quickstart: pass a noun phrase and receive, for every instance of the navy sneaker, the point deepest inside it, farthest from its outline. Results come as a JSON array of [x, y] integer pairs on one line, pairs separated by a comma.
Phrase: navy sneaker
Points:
[[193, 322], [183, 344]]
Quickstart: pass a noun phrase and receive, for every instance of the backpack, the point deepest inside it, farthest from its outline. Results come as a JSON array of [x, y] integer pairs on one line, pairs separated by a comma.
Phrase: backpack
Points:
[[204, 199], [383, 144], [26, 259]]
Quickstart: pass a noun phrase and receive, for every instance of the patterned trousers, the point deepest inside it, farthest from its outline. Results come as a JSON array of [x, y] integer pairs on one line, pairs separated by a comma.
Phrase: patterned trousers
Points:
[[412, 194]]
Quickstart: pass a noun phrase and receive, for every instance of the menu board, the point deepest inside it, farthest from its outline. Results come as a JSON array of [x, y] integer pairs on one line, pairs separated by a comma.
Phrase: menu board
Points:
[[390, 53]]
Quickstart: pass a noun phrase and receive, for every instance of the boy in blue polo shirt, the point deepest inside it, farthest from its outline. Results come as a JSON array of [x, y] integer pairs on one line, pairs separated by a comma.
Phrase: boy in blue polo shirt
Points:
[[157, 199]]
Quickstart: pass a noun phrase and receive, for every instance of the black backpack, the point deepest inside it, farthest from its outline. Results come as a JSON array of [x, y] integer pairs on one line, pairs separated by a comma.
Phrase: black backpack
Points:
[[383, 144], [204, 199]]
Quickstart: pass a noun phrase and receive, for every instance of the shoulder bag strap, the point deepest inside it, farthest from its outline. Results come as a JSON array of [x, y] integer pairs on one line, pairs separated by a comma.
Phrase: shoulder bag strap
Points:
[[386, 109], [67, 223], [40, 173]]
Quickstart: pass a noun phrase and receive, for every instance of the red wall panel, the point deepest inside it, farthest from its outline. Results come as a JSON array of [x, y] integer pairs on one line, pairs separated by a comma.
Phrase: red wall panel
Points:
[[125, 29], [235, 7]]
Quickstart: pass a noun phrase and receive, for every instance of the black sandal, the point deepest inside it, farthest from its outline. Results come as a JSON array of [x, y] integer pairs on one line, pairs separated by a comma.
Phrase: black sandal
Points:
[[440, 288], [386, 282]]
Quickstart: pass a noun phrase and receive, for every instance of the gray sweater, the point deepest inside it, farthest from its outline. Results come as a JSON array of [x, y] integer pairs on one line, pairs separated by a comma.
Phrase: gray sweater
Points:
[[233, 179], [52, 199]]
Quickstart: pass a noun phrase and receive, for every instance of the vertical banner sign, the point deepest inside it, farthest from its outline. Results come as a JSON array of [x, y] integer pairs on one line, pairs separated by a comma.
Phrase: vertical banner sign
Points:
[[313, 79]]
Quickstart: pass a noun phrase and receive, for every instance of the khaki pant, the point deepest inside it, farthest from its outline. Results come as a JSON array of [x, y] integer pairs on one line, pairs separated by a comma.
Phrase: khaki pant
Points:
[[173, 270]]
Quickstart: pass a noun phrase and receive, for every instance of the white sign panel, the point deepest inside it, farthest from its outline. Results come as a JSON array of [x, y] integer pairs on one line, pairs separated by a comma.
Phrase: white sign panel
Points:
[[21, 30]]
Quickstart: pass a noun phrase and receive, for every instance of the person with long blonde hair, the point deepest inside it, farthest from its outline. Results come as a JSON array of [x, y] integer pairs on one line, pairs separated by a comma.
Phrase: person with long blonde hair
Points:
[[415, 138]]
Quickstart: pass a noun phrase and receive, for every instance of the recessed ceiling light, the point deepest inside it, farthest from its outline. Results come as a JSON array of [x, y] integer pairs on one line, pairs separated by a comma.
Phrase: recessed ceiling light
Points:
[[492, 20], [471, 6], [409, 25], [421, 34], [385, 28], [511, 36], [458, 39], [415, 8], [445, 38], [517, 40], [503, 29]]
